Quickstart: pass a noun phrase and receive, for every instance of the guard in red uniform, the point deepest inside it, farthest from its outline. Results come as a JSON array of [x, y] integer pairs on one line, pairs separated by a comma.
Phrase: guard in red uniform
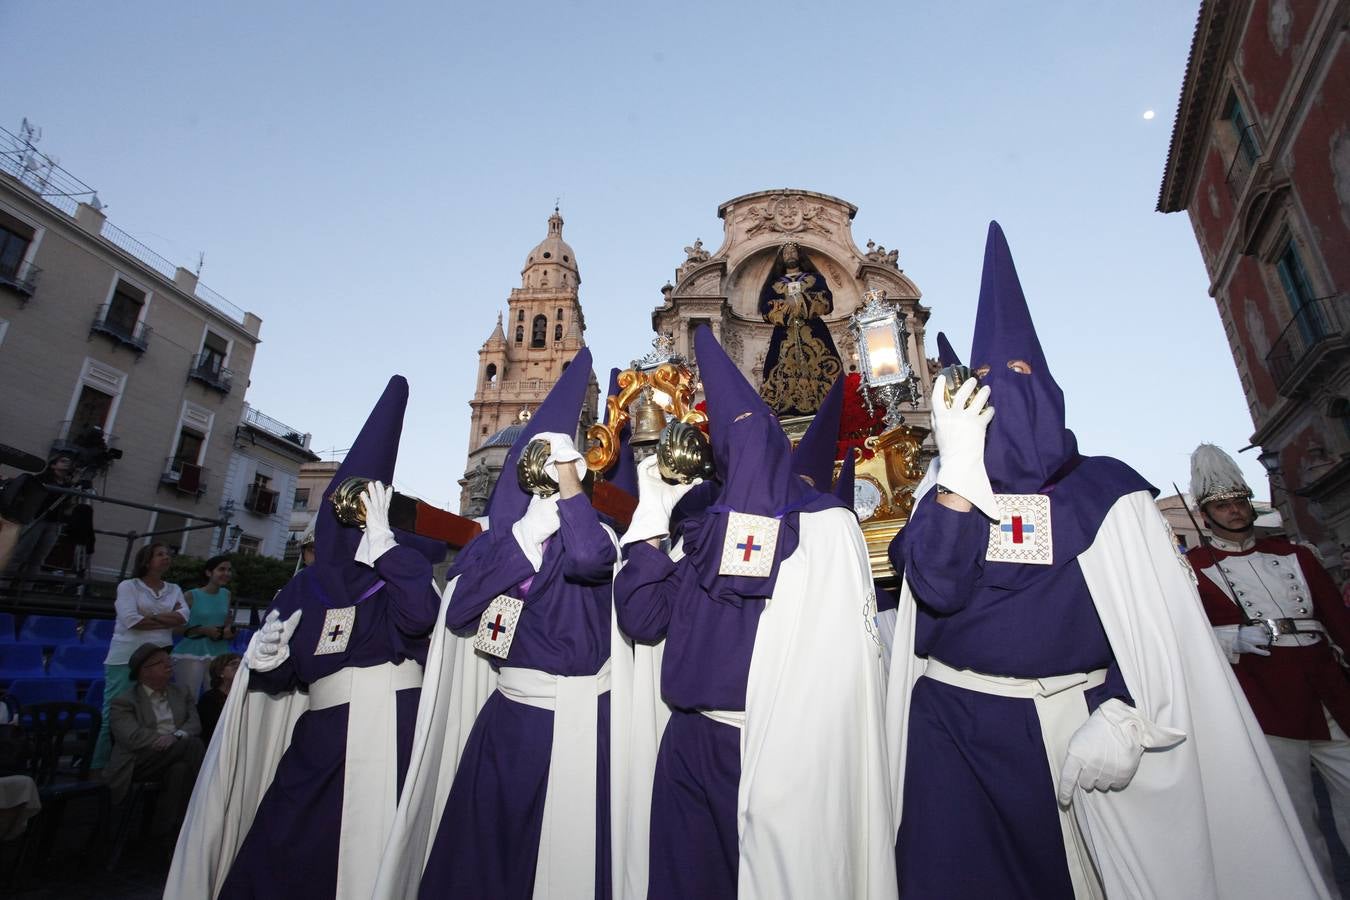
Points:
[[1279, 616]]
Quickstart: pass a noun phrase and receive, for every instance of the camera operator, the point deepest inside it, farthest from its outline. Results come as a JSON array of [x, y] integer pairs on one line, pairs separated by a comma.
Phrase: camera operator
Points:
[[32, 516]]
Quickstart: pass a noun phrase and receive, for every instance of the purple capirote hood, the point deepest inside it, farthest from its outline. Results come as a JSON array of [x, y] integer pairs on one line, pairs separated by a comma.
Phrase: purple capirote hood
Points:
[[1027, 442]]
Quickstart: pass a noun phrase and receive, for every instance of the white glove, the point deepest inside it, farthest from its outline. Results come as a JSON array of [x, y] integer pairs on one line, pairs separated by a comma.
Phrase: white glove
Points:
[[379, 537], [537, 525], [561, 450], [656, 501], [270, 645], [959, 431], [1238, 639], [1104, 752]]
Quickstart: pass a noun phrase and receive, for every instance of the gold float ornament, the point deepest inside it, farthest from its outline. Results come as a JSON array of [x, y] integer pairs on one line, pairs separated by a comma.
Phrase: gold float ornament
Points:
[[883, 489], [667, 388], [348, 506]]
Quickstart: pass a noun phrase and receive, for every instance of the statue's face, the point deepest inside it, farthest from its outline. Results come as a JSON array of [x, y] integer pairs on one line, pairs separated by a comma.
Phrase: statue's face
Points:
[[790, 255]]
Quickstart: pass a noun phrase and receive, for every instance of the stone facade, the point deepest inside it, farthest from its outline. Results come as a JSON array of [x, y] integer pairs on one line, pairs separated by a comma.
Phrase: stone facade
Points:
[[522, 359], [99, 333], [1260, 161], [722, 288]]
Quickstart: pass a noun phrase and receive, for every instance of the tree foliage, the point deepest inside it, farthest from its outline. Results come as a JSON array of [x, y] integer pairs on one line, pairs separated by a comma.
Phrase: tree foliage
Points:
[[256, 578]]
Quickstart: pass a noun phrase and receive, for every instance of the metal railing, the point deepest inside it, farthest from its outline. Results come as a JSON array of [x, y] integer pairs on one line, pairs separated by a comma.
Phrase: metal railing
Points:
[[207, 369], [135, 335], [41, 174], [185, 477], [273, 427], [20, 278], [261, 500], [1315, 326], [219, 304]]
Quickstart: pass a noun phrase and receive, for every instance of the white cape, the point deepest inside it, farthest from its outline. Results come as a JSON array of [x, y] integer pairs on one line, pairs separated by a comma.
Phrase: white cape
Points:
[[253, 732], [1209, 817], [814, 812]]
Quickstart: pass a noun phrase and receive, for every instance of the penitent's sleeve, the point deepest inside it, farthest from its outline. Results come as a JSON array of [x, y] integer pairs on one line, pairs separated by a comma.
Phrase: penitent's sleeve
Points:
[[643, 591]]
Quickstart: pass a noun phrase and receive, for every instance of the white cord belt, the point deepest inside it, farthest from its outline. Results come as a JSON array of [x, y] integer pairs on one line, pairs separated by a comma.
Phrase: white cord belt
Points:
[[733, 717]]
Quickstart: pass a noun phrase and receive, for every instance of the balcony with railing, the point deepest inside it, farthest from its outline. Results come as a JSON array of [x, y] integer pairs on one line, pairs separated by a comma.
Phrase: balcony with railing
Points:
[[135, 335], [207, 369], [261, 500], [275, 427], [1316, 333], [184, 477], [20, 278]]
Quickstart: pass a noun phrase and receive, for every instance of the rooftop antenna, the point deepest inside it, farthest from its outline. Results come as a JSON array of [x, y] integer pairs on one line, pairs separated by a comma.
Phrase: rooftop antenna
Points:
[[201, 261]]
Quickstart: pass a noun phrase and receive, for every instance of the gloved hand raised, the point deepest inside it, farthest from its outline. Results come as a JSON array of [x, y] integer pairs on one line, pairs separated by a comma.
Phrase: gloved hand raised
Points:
[[561, 452], [1104, 752], [656, 501], [379, 537], [270, 646], [537, 525], [959, 431]]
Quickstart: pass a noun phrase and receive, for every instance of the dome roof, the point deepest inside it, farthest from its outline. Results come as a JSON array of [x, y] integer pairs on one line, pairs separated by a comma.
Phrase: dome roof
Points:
[[553, 250], [506, 437]]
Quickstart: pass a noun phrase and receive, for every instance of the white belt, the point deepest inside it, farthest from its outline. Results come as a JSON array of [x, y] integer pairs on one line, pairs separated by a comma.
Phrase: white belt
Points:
[[1003, 686], [1060, 708], [537, 688], [370, 772], [565, 866], [733, 717], [337, 689]]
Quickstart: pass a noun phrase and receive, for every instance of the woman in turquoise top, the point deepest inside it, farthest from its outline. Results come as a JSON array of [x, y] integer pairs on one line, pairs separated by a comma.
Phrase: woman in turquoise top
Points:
[[208, 631]]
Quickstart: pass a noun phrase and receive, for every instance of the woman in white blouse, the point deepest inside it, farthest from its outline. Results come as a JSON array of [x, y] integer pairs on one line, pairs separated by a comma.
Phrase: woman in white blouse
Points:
[[148, 610]]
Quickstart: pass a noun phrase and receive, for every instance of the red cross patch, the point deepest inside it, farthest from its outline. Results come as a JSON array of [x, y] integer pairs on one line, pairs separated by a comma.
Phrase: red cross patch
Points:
[[497, 626], [1022, 533], [749, 546]]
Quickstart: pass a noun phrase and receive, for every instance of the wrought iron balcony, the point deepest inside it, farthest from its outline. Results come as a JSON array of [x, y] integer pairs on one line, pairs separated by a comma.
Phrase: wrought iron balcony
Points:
[[1318, 330], [260, 500], [19, 278], [184, 477], [207, 369], [129, 334]]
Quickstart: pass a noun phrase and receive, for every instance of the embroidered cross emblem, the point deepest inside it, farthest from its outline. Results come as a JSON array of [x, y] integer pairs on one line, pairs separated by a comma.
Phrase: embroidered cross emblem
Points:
[[336, 630], [336, 633], [749, 547], [496, 627], [1018, 529]]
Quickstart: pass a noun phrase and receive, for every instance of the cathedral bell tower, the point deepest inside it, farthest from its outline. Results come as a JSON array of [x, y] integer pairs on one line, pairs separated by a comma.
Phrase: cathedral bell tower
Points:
[[522, 358]]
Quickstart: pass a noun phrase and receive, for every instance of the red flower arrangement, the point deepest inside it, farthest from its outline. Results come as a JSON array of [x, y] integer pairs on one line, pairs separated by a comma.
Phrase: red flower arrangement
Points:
[[856, 425]]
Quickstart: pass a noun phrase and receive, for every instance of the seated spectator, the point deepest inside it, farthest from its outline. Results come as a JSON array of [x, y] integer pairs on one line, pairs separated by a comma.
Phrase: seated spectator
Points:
[[156, 736], [209, 629], [148, 610], [221, 671]]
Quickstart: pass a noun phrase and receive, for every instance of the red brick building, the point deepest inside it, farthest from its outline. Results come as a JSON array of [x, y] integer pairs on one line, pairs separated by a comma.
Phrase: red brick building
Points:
[[1260, 160]]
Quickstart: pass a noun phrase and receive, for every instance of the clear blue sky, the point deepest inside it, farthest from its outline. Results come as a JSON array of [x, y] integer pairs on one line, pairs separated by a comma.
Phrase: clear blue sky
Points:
[[368, 178]]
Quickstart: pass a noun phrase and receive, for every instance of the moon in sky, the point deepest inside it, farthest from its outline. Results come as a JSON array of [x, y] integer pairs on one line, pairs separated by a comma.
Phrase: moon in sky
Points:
[[1148, 114]]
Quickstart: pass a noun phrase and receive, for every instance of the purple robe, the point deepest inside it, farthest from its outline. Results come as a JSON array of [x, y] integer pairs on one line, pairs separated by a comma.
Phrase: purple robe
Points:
[[979, 814], [292, 847], [488, 839]]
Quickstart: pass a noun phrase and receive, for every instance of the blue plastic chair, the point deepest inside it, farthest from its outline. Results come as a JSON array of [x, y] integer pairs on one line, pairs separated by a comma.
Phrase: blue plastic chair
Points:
[[49, 631], [241, 639], [99, 631], [20, 661], [93, 695], [43, 690], [78, 661], [6, 628]]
